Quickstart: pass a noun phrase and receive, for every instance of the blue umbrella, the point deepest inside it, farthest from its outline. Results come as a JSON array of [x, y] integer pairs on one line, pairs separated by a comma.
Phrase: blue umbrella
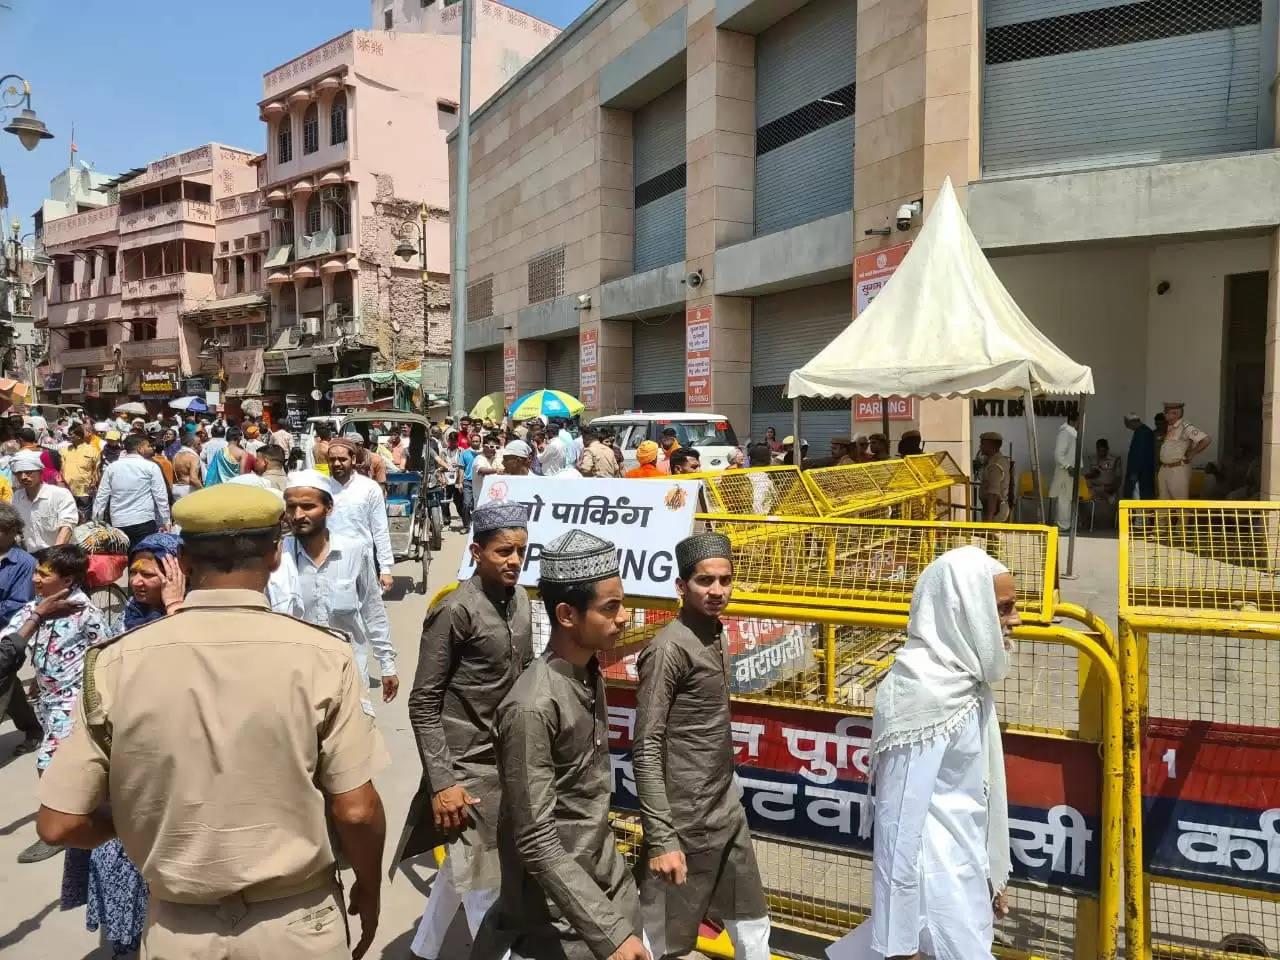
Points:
[[545, 403]]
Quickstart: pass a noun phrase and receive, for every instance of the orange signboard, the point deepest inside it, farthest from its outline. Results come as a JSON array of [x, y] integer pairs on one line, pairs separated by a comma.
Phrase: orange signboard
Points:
[[697, 357]]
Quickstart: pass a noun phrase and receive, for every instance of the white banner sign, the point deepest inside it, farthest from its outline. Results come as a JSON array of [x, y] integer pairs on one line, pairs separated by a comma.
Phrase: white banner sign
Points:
[[644, 518]]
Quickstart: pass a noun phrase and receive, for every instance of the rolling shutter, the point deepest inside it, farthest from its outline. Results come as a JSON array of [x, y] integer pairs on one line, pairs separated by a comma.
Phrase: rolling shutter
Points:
[[657, 351], [787, 330], [660, 180], [493, 371], [805, 66], [562, 365], [1071, 84]]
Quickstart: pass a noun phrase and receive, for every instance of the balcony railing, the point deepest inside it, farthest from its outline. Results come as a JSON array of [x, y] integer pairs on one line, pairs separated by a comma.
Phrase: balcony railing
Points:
[[80, 226], [187, 211], [147, 349], [85, 290], [85, 357]]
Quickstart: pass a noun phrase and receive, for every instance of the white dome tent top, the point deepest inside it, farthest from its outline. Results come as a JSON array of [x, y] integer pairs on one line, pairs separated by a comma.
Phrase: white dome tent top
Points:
[[943, 326]]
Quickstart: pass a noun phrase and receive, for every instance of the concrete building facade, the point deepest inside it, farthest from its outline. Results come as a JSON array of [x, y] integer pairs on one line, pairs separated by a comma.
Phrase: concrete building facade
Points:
[[356, 161], [667, 204]]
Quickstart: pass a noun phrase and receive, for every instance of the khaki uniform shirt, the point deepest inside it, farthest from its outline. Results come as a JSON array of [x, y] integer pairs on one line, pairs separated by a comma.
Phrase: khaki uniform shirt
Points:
[[995, 479], [599, 461], [566, 890], [683, 753], [1177, 444], [217, 773]]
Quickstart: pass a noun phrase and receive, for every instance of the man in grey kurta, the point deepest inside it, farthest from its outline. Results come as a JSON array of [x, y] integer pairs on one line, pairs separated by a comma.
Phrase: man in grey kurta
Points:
[[474, 645], [700, 858], [566, 891]]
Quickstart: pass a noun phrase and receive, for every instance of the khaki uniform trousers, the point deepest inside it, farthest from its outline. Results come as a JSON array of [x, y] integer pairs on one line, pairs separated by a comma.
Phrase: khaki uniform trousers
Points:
[[311, 925], [1174, 483]]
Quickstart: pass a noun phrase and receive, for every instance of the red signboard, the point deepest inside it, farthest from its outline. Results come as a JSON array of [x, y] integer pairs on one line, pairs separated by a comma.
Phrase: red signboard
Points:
[[589, 369], [350, 394], [871, 271], [509, 379], [697, 358], [804, 776], [869, 409]]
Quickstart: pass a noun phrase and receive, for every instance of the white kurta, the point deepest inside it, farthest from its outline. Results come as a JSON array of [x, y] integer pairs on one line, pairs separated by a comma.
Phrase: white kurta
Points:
[[929, 873], [1064, 486]]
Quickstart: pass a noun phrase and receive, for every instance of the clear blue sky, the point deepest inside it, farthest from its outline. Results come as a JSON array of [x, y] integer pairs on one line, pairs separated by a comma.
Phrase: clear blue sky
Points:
[[143, 78]]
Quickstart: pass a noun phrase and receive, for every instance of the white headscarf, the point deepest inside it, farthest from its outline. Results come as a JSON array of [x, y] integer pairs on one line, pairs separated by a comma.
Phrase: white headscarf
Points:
[[953, 654]]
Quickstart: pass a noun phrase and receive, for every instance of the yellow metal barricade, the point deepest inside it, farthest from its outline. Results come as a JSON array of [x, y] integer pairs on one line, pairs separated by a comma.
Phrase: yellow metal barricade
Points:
[[811, 633], [874, 564], [1199, 651]]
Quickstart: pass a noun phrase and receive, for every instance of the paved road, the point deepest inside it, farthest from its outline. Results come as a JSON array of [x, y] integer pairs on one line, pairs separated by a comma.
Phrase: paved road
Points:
[[33, 928]]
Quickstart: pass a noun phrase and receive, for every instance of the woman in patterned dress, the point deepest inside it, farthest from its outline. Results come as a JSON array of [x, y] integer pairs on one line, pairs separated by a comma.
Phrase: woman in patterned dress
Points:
[[58, 626]]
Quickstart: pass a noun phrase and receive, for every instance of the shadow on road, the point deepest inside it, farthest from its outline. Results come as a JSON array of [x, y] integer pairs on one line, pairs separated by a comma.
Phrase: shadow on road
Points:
[[14, 936]]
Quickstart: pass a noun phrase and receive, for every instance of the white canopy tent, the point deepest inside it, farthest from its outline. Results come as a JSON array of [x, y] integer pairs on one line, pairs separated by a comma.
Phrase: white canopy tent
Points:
[[944, 326]]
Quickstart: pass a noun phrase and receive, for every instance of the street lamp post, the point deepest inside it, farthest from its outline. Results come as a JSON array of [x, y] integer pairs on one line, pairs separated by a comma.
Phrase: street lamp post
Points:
[[26, 126], [405, 251]]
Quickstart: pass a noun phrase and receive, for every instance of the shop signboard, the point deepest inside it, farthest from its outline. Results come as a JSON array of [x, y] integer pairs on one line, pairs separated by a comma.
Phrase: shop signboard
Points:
[[111, 383], [871, 271], [510, 379], [197, 386], [53, 382], [158, 383], [434, 377], [92, 387], [354, 394]]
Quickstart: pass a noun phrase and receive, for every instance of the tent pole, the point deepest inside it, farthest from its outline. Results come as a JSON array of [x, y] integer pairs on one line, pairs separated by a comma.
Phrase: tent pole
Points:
[[1075, 500], [884, 418], [1033, 442], [797, 449]]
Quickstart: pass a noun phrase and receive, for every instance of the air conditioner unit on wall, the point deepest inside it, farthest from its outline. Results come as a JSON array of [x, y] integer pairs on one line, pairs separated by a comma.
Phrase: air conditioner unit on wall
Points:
[[279, 215], [310, 326]]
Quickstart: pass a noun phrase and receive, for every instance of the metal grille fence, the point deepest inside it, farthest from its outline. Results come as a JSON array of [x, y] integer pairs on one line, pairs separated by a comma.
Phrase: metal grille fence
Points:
[[874, 564], [1204, 560], [480, 299], [917, 488], [1200, 658], [758, 491]]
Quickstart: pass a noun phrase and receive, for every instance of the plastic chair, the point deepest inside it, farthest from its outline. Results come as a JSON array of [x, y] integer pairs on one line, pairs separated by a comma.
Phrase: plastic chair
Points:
[[1086, 500], [1026, 488]]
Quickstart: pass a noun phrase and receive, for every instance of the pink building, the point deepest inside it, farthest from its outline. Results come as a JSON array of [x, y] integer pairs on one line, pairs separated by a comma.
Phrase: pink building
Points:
[[123, 277], [356, 149]]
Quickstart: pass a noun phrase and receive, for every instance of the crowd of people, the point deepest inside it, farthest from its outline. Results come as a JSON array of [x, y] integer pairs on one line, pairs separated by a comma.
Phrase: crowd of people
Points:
[[233, 792]]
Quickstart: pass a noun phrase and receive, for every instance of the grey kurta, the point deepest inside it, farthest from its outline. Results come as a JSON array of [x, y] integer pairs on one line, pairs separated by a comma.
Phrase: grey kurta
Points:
[[474, 645], [566, 891], [684, 765]]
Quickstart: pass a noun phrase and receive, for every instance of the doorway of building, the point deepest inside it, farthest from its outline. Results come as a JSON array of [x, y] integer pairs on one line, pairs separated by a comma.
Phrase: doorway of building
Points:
[[1243, 363]]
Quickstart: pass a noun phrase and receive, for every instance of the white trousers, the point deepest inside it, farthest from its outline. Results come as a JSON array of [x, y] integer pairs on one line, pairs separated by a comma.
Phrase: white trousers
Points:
[[750, 938], [442, 905]]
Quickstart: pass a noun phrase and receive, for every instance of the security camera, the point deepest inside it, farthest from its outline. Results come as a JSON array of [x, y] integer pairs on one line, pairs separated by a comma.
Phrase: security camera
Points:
[[694, 279], [907, 213], [584, 302]]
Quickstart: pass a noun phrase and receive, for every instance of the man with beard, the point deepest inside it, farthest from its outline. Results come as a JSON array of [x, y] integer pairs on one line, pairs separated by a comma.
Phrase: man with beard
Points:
[[328, 579], [695, 830], [475, 643], [359, 508]]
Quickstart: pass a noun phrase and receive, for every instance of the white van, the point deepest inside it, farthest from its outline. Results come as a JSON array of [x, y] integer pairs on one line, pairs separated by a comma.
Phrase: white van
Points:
[[709, 433]]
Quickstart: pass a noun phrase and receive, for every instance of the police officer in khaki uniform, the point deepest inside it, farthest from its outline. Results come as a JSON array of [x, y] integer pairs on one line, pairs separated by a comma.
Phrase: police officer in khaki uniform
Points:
[[1182, 443], [994, 489], [218, 736]]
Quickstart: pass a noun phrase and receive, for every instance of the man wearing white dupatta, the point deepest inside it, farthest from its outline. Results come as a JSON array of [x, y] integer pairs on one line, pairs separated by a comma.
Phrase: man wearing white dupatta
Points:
[[941, 810]]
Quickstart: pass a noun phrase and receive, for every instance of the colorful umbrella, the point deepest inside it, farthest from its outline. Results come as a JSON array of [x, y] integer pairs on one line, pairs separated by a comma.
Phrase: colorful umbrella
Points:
[[546, 403], [489, 407], [189, 404], [131, 407]]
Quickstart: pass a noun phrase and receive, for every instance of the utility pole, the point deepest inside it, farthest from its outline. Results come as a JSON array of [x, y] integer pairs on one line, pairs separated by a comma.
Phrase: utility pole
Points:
[[458, 360]]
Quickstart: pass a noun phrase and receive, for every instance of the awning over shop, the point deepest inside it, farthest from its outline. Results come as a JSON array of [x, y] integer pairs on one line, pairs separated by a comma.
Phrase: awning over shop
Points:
[[406, 378], [14, 388], [243, 302], [279, 256]]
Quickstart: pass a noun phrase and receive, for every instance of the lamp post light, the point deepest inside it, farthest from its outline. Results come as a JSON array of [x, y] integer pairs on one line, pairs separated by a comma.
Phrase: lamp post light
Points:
[[405, 250], [26, 126]]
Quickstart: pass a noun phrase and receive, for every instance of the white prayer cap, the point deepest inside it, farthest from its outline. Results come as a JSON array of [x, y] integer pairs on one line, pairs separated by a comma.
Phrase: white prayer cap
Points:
[[314, 479], [26, 460], [101, 427], [517, 448]]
